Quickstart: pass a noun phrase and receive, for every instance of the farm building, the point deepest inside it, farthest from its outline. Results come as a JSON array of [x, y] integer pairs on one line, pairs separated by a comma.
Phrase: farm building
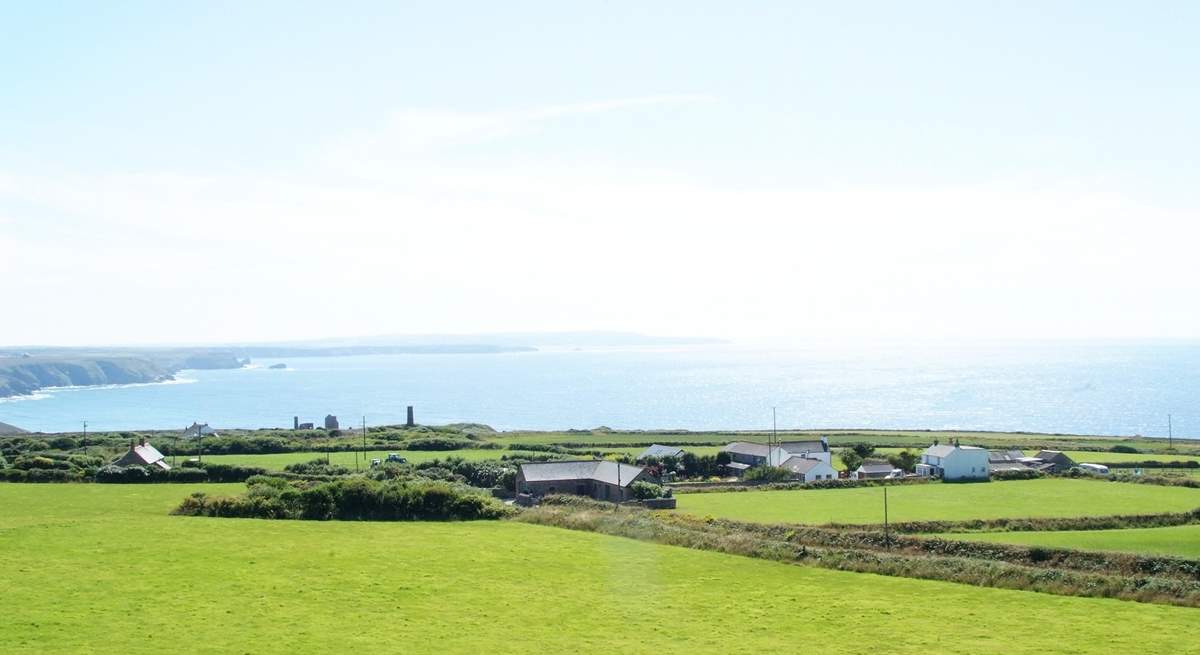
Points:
[[1056, 459], [744, 455], [660, 451], [600, 479], [808, 470], [954, 462], [142, 454], [876, 470]]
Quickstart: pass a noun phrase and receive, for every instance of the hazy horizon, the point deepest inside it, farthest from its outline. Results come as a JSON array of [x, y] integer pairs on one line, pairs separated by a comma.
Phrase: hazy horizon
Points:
[[174, 174]]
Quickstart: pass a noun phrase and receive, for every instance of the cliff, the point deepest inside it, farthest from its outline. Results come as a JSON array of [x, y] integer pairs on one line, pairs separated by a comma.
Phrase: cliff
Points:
[[25, 375]]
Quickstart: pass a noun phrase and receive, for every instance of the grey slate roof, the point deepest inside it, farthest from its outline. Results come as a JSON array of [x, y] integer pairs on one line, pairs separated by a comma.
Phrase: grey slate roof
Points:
[[747, 448], [599, 470], [876, 467], [658, 450], [944, 451], [805, 446], [797, 464]]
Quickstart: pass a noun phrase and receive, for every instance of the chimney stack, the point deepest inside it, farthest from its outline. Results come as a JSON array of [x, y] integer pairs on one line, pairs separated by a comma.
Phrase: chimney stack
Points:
[[410, 422], [142, 441], [295, 422]]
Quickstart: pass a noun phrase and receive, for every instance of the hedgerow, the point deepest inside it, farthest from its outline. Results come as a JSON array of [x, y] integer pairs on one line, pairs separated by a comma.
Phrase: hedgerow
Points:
[[353, 499]]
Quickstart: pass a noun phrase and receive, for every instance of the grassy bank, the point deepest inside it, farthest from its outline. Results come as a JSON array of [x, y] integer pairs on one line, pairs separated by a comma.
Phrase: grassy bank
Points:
[[1178, 541], [949, 502]]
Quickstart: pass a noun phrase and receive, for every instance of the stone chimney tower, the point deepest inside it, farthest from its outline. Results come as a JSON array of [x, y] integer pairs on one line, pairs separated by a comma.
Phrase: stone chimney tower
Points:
[[410, 422]]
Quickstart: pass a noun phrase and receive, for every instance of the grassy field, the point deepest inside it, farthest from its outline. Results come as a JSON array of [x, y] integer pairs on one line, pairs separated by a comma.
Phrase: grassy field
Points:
[[1108, 458], [1032, 498], [276, 461], [103, 568], [841, 437], [1180, 541]]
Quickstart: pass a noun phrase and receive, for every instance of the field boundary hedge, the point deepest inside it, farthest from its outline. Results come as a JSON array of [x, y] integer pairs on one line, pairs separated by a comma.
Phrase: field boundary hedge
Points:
[[728, 538]]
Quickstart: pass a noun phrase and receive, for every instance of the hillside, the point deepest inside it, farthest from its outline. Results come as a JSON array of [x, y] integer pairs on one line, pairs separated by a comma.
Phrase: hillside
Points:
[[25, 375], [8, 430]]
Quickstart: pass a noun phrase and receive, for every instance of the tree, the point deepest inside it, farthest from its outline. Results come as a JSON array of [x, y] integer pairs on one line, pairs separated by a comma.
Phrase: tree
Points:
[[905, 460], [863, 450], [851, 459]]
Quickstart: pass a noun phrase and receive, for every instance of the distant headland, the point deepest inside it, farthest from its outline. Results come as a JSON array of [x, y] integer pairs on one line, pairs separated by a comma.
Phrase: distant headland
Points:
[[26, 370]]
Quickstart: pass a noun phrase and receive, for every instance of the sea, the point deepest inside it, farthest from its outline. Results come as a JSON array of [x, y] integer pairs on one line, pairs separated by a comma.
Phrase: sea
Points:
[[1107, 388]]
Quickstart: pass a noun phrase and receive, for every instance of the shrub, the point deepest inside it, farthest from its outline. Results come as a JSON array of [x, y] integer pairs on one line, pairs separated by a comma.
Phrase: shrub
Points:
[[768, 474], [1019, 474], [112, 473], [227, 472], [355, 499], [1123, 449], [185, 475], [643, 490], [317, 467], [438, 443]]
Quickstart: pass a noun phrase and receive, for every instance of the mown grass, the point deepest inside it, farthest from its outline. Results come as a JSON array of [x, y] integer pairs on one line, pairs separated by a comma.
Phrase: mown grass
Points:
[[103, 568], [1179, 541], [945, 502]]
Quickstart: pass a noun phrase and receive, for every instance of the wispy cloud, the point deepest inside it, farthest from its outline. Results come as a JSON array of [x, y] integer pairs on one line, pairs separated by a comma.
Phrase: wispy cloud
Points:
[[422, 131]]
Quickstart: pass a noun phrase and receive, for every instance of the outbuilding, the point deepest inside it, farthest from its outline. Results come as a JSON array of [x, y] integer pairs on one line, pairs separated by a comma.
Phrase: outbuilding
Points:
[[600, 479], [660, 451], [876, 470]]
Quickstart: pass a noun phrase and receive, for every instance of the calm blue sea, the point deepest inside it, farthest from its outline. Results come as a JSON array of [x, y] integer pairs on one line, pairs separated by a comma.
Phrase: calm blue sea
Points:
[[1094, 388]]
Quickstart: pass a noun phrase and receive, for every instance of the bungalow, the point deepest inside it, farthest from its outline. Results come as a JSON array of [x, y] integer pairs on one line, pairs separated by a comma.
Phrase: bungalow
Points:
[[659, 451], [752, 454], [600, 479], [142, 454], [874, 469], [808, 470], [954, 462]]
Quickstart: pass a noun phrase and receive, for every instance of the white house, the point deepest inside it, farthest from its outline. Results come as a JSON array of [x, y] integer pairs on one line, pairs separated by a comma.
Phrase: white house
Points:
[[954, 462], [808, 470]]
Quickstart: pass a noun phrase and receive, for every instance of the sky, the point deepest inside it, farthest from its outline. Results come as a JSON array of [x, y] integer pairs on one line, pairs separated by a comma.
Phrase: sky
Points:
[[266, 171]]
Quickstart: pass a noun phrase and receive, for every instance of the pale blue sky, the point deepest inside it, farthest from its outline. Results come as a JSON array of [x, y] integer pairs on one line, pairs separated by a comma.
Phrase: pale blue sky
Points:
[[550, 136]]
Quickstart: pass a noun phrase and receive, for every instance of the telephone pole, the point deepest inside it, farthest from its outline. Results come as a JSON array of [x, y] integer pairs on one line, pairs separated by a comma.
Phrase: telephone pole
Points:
[[1170, 433], [887, 540], [85, 437], [774, 438]]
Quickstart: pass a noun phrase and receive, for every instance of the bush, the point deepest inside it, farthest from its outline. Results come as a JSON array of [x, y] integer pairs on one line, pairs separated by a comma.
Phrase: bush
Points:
[[1026, 474], [317, 467], [354, 499], [643, 490], [768, 474], [1123, 449], [122, 474], [227, 472], [438, 443], [185, 475]]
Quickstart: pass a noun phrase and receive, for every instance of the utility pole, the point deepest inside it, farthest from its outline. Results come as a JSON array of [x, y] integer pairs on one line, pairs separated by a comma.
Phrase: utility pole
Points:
[[774, 437], [1170, 434], [85, 437], [617, 501], [364, 426], [887, 540]]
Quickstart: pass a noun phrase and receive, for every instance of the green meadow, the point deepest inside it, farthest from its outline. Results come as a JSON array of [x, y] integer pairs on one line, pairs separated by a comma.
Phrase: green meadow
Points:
[[1179, 541], [938, 501], [276, 461], [104, 568]]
